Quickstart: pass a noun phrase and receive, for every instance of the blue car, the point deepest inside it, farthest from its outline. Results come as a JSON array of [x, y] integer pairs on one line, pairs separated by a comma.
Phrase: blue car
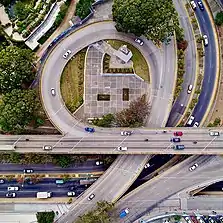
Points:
[[175, 140], [201, 6], [89, 129]]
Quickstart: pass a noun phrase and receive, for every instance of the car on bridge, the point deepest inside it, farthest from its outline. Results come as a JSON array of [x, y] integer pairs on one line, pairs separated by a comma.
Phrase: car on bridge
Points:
[[178, 147], [175, 140], [126, 133], [10, 195], [205, 40], [89, 129], [121, 148], [214, 133], [178, 133], [91, 197]]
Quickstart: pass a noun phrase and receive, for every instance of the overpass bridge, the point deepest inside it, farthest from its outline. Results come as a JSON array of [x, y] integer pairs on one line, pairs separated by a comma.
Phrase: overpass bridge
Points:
[[93, 143]]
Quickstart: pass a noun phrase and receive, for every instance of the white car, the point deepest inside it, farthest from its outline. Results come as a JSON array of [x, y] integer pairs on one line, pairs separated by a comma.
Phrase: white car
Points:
[[205, 39], [196, 124], [192, 168], [46, 147], [188, 219], [214, 133], [139, 41], [147, 166], [10, 194], [193, 5], [13, 188], [126, 133], [70, 193], [28, 171], [53, 92], [189, 89], [191, 119], [98, 163], [67, 54], [122, 148], [91, 197]]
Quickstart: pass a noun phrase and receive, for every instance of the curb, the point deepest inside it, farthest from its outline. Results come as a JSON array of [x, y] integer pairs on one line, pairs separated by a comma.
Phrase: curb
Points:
[[215, 89]]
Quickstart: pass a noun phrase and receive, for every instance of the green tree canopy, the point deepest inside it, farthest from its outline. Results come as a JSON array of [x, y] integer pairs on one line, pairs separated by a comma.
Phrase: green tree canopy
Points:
[[156, 19], [45, 217], [16, 109], [219, 19], [15, 68]]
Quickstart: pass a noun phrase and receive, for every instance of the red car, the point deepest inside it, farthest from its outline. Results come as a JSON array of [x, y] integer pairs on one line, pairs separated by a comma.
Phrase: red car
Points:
[[178, 133]]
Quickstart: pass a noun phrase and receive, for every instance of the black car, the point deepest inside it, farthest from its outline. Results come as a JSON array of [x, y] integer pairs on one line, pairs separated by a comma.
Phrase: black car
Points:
[[175, 140], [200, 5]]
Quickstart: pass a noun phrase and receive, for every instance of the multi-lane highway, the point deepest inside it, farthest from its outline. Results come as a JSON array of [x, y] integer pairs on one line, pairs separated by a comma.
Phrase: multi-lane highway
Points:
[[211, 63], [171, 182], [195, 141]]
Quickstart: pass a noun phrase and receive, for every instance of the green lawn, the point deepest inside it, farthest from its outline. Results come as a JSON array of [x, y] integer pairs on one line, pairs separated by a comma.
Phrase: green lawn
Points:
[[72, 81], [139, 63]]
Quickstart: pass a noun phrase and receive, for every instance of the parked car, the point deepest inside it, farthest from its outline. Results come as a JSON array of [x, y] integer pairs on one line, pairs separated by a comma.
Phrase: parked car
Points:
[[200, 5], [189, 89], [89, 129], [200, 219], [67, 54], [178, 133], [13, 188], [10, 194], [205, 40], [53, 92], [2, 181], [70, 193], [192, 168], [193, 5], [122, 148], [175, 140], [126, 133], [188, 220], [28, 171], [214, 133], [139, 41], [194, 219], [196, 124], [98, 163], [91, 197]]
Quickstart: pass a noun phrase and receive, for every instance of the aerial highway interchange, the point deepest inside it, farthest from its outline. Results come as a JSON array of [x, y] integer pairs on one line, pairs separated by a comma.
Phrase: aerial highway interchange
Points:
[[136, 149]]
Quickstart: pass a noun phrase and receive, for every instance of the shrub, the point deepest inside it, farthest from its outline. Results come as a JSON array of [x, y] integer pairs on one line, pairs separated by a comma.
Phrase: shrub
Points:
[[83, 8], [219, 19]]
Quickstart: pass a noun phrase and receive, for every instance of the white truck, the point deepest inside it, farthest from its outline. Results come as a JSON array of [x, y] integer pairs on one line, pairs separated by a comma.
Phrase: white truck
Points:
[[43, 195]]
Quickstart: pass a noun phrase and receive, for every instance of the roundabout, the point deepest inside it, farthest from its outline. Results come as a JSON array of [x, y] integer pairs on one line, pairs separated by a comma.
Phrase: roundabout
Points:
[[161, 70]]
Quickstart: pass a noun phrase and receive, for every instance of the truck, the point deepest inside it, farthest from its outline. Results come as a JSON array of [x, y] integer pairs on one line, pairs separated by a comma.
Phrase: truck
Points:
[[7, 147], [124, 213], [43, 195]]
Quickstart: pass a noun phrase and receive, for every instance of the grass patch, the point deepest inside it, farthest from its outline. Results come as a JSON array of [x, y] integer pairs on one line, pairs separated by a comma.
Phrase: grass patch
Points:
[[72, 81], [139, 63]]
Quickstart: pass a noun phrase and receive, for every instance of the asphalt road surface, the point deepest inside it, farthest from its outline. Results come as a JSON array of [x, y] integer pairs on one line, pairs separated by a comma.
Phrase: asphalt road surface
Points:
[[190, 65], [209, 68], [174, 180]]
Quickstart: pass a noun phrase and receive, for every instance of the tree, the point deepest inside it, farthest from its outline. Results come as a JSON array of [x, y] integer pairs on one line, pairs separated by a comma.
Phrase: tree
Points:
[[99, 215], [16, 110], [45, 217], [219, 19], [134, 115], [156, 19], [16, 67], [5, 2], [83, 8]]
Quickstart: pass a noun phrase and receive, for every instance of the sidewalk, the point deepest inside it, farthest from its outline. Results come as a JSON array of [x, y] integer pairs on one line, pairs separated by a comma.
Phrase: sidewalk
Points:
[[63, 26]]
